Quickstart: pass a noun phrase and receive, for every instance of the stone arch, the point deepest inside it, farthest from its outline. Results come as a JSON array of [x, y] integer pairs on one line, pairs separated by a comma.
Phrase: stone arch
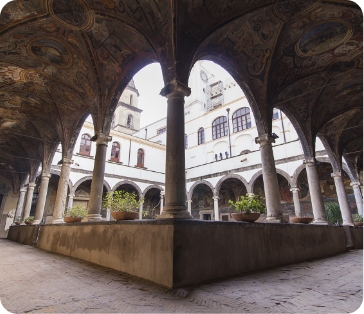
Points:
[[154, 186], [232, 176], [58, 173], [189, 194], [296, 174], [79, 182], [130, 183], [254, 178]]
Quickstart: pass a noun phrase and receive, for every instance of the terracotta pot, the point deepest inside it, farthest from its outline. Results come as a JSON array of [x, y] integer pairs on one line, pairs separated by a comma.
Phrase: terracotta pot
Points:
[[301, 220], [72, 219], [17, 222], [125, 215], [29, 222], [245, 217], [358, 224]]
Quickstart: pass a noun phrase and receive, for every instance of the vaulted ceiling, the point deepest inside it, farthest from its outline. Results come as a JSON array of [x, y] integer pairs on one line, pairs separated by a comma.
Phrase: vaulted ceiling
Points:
[[63, 59]]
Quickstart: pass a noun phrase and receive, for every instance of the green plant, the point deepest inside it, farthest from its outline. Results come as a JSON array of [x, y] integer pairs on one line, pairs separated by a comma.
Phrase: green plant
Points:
[[121, 201], [333, 213], [76, 211], [249, 204], [30, 218], [18, 219], [358, 218]]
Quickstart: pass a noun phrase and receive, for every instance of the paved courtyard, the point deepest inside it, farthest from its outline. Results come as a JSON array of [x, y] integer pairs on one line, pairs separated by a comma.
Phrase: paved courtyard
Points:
[[36, 281]]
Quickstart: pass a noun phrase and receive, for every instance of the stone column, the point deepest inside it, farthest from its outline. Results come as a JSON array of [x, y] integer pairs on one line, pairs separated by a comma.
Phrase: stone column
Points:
[[60, 203], [358, 197], [343, 201], [42, 196], [97, 184], [28, 199], [319, 214], [162, 199], [270, 180], [296, 201], [70, 200], [189, 204], [216, 208], [175, 192], [19, 206], [141, 211]]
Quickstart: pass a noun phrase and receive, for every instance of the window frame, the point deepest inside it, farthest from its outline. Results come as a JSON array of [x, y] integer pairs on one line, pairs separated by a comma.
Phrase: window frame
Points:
[[86, 145], [140, 157], [242, 121], [113, 148], [219, 128], [201, 136]]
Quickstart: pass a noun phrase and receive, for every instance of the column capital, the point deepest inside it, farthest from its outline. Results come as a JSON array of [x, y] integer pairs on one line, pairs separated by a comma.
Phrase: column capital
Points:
[[311, 161], [32, 185], [103, 139], [264, 139], [71, 195], [162, 193], [336, 174], [294, 189], [175, 89], [67, 161], [355, 184], [23, 189], [189, 201], [216, 198], [46, 175]]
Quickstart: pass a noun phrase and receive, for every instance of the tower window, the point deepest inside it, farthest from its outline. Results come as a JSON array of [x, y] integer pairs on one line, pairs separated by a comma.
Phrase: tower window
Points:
[[129, 122]]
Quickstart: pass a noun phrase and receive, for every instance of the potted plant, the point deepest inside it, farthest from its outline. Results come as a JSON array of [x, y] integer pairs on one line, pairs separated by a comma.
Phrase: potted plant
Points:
[[74, 214], [18, 220], [123, 205], [249, 208], [29, 220], [358, 220]]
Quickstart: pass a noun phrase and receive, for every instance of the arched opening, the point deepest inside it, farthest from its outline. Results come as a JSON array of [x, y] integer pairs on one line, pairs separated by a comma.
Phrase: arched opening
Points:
[[151, 204], [202, 206], [241, 120], [85, 146], [230, 189], [219, 127], [115, 152], [140, 158], [129, 121], [126, 187]]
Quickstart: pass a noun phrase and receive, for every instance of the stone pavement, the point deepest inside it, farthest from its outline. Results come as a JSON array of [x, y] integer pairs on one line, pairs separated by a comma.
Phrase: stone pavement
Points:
[[36, 281]]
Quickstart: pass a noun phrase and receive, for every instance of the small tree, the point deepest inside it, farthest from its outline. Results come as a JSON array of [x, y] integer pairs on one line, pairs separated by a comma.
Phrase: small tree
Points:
[[333, 213], [76, 211], [121, 201], [248, 204]]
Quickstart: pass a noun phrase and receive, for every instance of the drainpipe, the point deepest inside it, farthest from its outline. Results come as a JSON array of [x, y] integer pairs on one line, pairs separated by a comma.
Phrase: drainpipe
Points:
[[284, 133], [146, 132], [228, 109], [129, 152]]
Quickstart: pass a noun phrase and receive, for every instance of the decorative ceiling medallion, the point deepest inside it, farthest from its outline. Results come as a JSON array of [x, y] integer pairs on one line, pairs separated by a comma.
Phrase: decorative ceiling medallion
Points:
[[50, 50], [323, 37], [74, 14], [348, 88]]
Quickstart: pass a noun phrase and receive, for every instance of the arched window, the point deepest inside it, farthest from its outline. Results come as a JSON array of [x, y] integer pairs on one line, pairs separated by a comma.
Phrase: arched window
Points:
[[140, 161], [186, 141], [131, 100], [85, 147], [115, 151], [113, 121], [201, 136], [219, 128], [241, 120], [129, 121]]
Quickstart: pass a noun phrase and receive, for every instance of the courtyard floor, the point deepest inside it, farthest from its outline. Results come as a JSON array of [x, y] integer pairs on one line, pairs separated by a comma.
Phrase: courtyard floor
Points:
[[36, 281]]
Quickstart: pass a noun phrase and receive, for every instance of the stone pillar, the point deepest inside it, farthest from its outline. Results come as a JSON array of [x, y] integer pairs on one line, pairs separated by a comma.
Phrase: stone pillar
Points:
[[296, 201], [19, 206], [358, 197], [97, 184], [141, 211], [42, 196], [70, 200], [189, 204], [60, 203], [270, 180], [28, 199], [343, 201], [319, 214], [161, 203], [216, 208], [175, 192]]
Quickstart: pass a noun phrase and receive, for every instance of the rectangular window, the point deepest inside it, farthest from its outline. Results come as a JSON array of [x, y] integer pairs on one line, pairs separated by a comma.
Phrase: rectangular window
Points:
[[162, 130]]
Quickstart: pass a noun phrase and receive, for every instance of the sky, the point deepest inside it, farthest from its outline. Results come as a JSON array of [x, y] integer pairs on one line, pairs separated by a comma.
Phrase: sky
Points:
[[149, 82]]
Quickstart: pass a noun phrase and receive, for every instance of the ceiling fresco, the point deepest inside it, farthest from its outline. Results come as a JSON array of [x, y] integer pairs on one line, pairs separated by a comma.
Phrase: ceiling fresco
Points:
[[61, 60]]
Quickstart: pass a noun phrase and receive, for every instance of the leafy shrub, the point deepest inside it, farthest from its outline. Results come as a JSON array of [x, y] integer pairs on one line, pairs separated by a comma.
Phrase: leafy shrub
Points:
[[30, 218], [121, 201], [76, 211], [333, 213], [358, 218], [249, 204]]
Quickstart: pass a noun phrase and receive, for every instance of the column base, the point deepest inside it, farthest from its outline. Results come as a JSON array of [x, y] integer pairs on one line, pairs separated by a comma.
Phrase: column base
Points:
[[92, 218], [348, 224], [184, 214], [273, 219], [36, 222], [57, 221], [320, 222]]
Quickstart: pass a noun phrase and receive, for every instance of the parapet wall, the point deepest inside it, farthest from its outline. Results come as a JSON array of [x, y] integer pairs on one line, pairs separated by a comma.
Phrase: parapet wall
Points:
[[178, 253]]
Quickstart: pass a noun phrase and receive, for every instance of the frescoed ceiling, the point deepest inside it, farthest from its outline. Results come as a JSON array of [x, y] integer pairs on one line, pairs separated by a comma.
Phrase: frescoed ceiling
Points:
[[63, 59]]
